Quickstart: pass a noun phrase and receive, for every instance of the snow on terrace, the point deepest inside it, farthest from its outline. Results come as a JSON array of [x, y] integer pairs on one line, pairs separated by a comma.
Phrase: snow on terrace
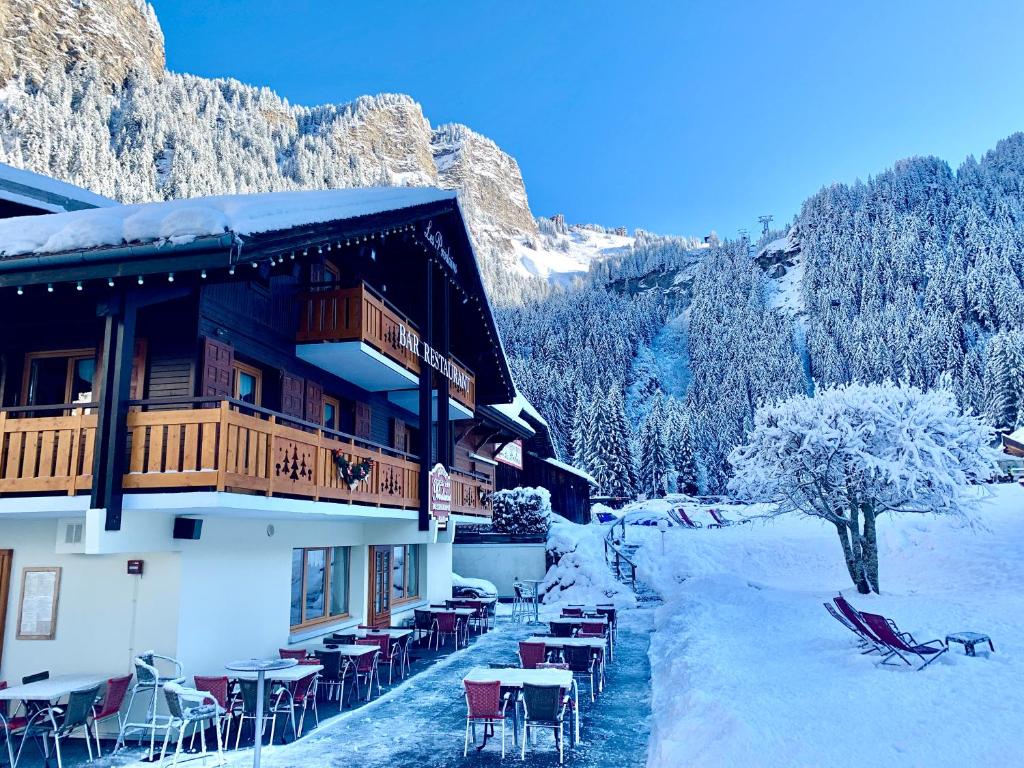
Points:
[[749, 669], [181, 221]]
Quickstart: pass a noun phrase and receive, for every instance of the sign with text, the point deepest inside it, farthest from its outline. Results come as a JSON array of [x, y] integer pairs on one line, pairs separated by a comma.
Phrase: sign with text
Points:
[[439, 501], [442, 251], [433, 358], [511, 454]]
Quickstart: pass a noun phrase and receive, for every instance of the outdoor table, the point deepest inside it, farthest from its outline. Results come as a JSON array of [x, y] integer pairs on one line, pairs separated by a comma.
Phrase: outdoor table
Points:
[[514, 677], [970, 639], [247, 668], [51, 689], [400, 635], [577, 621], [536, 597], [594, 643]]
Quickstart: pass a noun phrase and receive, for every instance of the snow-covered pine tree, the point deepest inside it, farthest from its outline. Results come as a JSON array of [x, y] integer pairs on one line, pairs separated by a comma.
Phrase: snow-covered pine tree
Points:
[[654, 459]]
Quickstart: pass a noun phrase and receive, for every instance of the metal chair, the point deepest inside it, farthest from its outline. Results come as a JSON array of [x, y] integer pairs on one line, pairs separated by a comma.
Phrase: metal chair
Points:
[[532, 654], [366, 667], [522, 602], [484, 705], [292, 653], [61, 722], [110, 706], [581, 663], [390, 652], [219, 687], [189, 707], [259, 720], [544, 707], [149, 681], [9, 726], [447, 624], [561, 629], [331, 677], [424, 624]]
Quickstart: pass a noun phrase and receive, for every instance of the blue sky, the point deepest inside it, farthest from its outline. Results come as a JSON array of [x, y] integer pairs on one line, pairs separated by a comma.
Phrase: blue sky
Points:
[[676, 117]]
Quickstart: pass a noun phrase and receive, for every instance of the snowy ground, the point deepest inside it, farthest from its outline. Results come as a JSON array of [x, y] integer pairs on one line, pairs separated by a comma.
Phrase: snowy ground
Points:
[[749, 670]]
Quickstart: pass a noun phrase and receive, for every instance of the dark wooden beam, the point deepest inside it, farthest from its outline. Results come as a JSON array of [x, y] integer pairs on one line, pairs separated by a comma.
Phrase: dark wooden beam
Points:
[[426, 401]]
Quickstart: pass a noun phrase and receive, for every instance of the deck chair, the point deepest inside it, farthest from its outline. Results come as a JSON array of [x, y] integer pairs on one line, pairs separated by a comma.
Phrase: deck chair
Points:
[[851, 614], [720, 522], [863, 640], [684, 519], [898, 643]]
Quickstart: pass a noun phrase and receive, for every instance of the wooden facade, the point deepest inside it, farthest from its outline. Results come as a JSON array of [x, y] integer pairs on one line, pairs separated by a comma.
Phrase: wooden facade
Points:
[[196, 382]]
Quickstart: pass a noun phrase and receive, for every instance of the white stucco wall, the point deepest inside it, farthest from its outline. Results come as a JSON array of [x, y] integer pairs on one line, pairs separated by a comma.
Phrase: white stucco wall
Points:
[[500, 563]]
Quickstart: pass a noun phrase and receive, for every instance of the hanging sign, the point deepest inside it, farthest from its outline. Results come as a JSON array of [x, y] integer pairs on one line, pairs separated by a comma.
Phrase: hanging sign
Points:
[[511, 454], [442, 251], [440, 493]]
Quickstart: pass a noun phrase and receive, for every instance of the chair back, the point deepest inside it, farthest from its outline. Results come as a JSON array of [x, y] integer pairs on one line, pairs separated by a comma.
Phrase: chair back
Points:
[[3, 702], [248, 690], [331, 663], [685, 517], [608, 613], [349, 639], [854, 618], [216, 686], [78, 708], [423, 619], [577, 657], [560, 629], [542, 702], [593, 628], [446, 623], [145, 669], [384, 641], [113, 696], [292, 653], [367, 661], [305, 687], [572, 612], [483, 699], [718, 516], [35, 678], [884, 632], [839, 617], [531, 654]]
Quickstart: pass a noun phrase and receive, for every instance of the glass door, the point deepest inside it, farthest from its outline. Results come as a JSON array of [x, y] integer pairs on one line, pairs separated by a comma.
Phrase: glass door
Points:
[[379, 613]]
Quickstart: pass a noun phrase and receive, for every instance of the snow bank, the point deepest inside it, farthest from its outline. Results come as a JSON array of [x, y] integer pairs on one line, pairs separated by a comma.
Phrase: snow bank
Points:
[[184, 220], [749, 669], [581, 575]]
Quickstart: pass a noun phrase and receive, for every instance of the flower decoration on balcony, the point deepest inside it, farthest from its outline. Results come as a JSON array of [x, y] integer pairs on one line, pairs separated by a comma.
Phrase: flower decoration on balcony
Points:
[[352, 472]]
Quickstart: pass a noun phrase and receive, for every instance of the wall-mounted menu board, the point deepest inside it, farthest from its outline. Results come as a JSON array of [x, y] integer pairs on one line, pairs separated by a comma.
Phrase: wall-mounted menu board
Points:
[[37, 608]]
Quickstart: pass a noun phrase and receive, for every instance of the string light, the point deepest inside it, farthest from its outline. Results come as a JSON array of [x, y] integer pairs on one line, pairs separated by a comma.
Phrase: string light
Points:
[[292, 256], [255, 264], [141, 281], [49, 287], [110, 282], [21, 291], [78, 285], [203, 274], [170, 277], [231, 269]]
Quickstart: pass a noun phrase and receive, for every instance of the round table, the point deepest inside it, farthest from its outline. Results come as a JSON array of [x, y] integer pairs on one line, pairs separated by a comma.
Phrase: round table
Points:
[[260, 667]]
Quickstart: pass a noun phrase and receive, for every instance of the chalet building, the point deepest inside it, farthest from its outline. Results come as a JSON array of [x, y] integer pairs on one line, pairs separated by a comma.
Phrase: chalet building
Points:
[[222, 418], [529, 460]]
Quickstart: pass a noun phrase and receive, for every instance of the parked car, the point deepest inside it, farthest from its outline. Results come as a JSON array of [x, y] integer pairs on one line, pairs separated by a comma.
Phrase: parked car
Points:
[[466, 587]]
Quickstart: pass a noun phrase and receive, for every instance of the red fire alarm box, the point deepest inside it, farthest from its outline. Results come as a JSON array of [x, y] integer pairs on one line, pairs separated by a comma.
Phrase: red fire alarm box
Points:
[[135, 567]]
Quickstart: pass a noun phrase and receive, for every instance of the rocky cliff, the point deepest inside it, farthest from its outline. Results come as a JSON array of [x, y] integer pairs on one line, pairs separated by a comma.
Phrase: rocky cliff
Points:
[[87, 99]]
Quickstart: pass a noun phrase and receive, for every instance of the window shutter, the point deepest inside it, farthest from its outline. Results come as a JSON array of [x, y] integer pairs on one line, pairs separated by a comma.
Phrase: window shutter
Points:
[[399, 435], [314, 402], [138, 387], [218, 376], [292, 390], [364, 421]]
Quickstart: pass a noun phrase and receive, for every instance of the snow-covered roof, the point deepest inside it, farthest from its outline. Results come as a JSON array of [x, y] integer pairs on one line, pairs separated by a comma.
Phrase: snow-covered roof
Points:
[[517, 408], [572, 470], [181, 221], [46, 193], [1018, 436]]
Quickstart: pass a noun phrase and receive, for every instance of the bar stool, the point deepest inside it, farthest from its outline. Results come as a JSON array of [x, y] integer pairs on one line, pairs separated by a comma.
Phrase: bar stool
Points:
[[149, 682]]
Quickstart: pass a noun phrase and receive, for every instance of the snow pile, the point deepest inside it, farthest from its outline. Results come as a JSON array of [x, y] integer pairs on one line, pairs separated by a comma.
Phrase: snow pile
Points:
[[521, 510], [560, 256], [749, 669], [180, 221], [581, 575]]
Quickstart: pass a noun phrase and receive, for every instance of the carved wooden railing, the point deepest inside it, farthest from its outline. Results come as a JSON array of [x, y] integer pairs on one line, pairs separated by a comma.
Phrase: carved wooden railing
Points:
[[471, 493], [47, 453], [359, 314], [234, 446]]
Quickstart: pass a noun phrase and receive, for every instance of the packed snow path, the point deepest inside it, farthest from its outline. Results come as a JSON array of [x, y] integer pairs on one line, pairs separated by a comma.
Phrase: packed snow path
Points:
[[422, 722]]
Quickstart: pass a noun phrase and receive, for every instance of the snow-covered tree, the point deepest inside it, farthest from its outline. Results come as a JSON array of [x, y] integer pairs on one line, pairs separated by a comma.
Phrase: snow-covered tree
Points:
[[654, 467], [853, 453], [521, 510]]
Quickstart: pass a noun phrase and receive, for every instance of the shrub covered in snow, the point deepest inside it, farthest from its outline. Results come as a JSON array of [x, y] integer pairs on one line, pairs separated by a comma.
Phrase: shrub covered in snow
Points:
[[850, 454], [521, 510]]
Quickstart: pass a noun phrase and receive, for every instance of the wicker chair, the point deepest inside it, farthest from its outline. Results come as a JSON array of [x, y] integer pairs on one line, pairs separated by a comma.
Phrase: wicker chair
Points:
[[531, 654], [544, 707], [484, 705], [110, 706], [366, 667], [191, 708]]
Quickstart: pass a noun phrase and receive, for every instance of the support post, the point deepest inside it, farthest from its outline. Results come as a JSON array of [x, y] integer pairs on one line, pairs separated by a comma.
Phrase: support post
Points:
[[441, 333], [112, 414], [426, 446]]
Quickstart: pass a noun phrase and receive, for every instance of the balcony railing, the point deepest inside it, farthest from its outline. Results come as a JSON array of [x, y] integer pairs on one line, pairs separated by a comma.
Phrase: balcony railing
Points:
[[471, 493], [358, 314], [215, 444]]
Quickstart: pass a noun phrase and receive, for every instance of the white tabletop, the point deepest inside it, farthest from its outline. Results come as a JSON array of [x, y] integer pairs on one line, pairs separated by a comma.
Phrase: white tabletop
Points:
[[456, 611], [353, 650], [514, 678], [596, 643], [51, 689], [286, 675], [396, 632], [579, 620]]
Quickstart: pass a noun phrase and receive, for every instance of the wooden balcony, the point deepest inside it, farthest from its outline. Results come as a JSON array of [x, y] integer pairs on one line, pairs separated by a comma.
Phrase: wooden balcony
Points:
[[471, 494], [359, 314], [208, 444]]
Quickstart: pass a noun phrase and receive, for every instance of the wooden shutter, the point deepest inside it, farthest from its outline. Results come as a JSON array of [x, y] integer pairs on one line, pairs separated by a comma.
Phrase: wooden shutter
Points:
[[138, 388], [364, 421], [292, 390], [218, 372], [399, 435], [314, 402]]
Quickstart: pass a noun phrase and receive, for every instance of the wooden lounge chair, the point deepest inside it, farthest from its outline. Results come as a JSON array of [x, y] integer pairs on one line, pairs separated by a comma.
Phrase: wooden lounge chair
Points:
[[899, 643]]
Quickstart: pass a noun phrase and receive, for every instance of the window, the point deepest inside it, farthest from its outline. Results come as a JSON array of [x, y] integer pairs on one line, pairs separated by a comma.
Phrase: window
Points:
[[63, 376], [405, 572], [320, 583], [248, 383], [332, 409]]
